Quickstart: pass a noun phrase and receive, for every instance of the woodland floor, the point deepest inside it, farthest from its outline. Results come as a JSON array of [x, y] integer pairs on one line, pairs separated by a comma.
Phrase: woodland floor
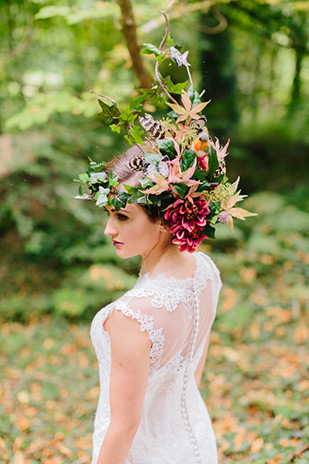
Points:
[[254, 384]]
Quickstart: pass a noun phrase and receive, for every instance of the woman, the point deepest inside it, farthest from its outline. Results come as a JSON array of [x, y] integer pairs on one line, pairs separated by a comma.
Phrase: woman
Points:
[[152, 342]]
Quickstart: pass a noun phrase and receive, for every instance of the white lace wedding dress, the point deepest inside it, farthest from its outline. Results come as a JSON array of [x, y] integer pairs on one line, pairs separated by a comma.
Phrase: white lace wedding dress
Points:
[[177, 315]]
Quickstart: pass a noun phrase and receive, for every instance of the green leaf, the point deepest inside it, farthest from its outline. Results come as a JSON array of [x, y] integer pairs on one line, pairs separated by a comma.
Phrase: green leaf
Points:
[[187, 159], [83, 177], [115, 128], [109, 112], [150, 49], [101, 196], [135, 198], [204, 186], [97, 177], [137, 103], [167, 147], [113, 179], [135, 135], [127, 117], [169, 41], [153, 158], [182, 189], [120, 200], [213, 163], [194, 96], [215, 207], [52, 11], [200, 174], [209, 231], [176, 88], [146, 182]]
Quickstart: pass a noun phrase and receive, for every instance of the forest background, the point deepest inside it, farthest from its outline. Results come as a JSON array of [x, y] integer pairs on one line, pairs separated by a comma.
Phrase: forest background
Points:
[[57, 268]]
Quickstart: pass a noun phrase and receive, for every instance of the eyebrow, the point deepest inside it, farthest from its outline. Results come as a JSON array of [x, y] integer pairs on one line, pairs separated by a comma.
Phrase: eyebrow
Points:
[[121, 210]]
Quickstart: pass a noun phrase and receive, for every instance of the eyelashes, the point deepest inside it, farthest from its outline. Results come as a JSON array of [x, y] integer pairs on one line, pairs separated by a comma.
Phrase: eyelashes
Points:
[[121, 217]]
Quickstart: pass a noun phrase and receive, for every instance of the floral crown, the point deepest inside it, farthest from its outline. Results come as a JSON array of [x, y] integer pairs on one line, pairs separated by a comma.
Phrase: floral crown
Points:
[[184, 174]]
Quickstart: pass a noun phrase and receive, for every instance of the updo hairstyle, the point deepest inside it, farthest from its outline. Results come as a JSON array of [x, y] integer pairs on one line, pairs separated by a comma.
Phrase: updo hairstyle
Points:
[[120, 167]]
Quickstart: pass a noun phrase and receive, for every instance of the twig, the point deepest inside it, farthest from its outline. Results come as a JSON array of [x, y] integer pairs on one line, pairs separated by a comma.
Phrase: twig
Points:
[[169, 5], [177, 13], [104, 96], [163, 41], [298, 452]]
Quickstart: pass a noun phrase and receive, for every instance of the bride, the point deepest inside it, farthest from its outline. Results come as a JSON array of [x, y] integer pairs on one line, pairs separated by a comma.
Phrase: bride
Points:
[[152, 343], [163, 198]]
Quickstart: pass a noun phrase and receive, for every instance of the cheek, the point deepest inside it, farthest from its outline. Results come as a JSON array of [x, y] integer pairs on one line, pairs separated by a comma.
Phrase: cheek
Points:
[[146, 234]]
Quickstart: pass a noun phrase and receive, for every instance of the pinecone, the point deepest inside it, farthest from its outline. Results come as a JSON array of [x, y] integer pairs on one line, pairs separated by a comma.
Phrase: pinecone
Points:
[[137, 163]]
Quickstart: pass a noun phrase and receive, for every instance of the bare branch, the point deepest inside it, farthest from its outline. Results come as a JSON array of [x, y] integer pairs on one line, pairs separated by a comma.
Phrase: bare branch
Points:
[[103, 96], [163, 41], [129, 31], [183, 10]]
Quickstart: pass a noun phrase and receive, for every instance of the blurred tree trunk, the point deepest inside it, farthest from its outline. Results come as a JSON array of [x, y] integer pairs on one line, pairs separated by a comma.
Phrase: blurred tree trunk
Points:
[[129, 31], [296, 86], [218, 71]]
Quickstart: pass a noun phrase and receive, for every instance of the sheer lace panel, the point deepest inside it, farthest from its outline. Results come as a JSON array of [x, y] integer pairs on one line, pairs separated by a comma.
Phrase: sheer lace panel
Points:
[[177, 316]]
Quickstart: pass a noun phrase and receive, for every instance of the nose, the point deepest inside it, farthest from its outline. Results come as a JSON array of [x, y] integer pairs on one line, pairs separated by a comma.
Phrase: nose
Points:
[[110, 228]]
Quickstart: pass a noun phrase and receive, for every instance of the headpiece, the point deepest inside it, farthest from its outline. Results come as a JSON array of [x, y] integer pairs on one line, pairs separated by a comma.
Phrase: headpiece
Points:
[[183, 169]]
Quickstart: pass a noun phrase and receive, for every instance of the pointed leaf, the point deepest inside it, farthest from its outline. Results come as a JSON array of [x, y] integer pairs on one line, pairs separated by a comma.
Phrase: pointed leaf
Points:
[[198, 108], [186, 101]]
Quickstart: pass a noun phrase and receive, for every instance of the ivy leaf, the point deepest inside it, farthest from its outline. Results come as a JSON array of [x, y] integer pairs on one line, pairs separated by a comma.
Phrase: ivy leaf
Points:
[[209, 231], [109, 112], [115, 128], [146, 182], [176, 88], [120, 200], [153, 158], [166, 147], [127, 117], [135, 135], [101, 196], [135, 197], [83, 177], [187, 159], [113, 179], [150, 49], [96, 177], [136, 104], [129, 189]]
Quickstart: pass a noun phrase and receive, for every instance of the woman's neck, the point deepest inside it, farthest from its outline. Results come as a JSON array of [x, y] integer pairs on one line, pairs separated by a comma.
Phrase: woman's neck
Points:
[[165, 260]]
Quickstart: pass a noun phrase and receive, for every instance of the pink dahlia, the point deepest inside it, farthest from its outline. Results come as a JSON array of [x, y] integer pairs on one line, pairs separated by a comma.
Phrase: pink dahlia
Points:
[[187, 218]]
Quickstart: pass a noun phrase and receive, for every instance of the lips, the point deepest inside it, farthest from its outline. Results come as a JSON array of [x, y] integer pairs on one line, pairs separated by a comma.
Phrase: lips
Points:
[[117, 244]]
